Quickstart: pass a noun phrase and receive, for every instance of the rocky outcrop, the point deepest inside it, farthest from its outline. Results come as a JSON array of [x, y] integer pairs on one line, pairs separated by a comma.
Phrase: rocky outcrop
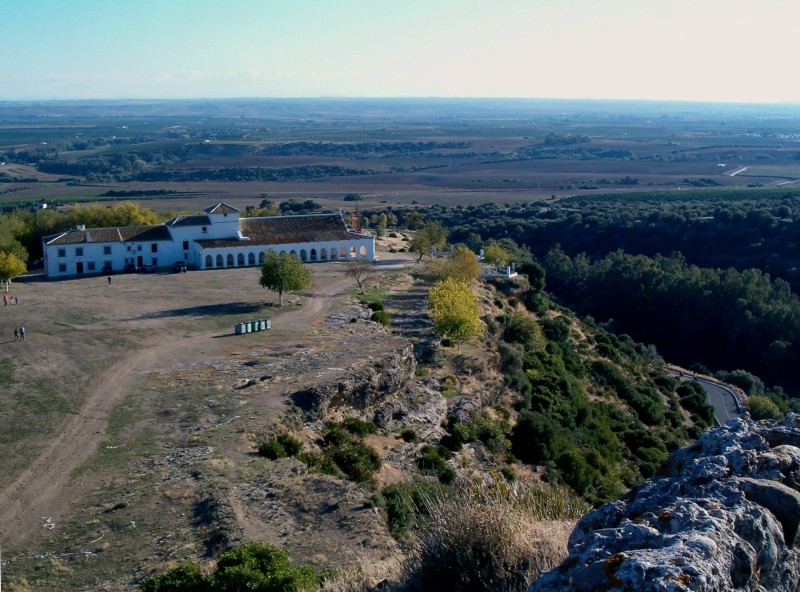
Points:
[[722, 514], [361, 388]]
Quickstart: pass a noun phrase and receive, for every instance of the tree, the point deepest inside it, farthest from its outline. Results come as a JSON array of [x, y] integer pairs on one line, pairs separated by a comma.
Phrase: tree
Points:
[[495, 254], [453, 307], [358, 271], [433, 234], [462, 265], [282, 272], [10, 267]]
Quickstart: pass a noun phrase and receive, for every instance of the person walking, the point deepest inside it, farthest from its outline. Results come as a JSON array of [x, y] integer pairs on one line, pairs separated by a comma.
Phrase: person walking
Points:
[[5, 299], [16, 334], [109, 280], [22, 333]]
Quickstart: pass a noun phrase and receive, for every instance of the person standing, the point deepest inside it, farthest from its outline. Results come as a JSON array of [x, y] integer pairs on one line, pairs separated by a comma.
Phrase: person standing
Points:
[[5, 299], [22, 333], [109, 280], [16, 334]]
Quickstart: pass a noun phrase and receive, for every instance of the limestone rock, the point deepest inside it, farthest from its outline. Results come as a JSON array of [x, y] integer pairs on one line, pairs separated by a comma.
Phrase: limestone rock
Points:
[[722, 515]]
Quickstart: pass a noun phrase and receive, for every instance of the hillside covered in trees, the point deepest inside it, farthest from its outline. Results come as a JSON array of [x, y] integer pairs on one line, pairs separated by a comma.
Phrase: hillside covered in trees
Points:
[[708, 276]]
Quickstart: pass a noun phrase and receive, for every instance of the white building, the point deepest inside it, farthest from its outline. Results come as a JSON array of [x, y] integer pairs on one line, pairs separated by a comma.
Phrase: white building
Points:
[[218, 238]]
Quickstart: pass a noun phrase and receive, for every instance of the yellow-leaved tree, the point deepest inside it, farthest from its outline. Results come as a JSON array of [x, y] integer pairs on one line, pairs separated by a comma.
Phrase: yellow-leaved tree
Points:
[[461, 265], [453, 307], [10, 267]]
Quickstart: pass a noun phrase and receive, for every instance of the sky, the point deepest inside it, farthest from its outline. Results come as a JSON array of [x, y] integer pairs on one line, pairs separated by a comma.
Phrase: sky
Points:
[[693, 50]]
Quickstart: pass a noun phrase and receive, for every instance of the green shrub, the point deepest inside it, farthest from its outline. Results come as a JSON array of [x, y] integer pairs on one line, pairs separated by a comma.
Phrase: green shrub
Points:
[[408, 435], [252, 566], [762, 407], [375, 306], [271, 449], [404, 504], [522, 329], [458, 434], [359, 427], [280, 446], [318, 463], [431, 462], [184, 578], [258, 566], [381, 317], [357, 460]]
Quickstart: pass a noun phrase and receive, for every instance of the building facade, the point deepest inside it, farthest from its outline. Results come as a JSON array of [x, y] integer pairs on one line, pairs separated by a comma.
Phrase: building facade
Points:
[[218, 238]]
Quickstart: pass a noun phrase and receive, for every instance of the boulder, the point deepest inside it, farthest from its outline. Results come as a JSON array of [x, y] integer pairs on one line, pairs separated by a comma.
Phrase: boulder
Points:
[[722, 514]]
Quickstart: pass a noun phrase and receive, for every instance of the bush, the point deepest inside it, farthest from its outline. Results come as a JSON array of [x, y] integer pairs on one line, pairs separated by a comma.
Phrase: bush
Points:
[[184, 578], [280, 446], [357, 460], [359, 427], [431, 462], [408, 435], [375, 306], [318, 463], [381, 317], [253, 566], [522, 329], [404, 504], [762, 407]]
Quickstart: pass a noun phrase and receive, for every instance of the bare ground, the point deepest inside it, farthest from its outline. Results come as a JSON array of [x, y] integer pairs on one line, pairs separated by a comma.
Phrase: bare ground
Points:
[[130, 416]]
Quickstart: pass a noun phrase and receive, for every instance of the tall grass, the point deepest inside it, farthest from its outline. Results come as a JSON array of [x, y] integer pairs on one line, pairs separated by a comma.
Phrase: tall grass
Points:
[[495, 537]]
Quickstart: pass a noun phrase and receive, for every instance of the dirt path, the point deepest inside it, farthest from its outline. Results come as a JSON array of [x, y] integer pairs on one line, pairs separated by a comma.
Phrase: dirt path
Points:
[[41, 493]]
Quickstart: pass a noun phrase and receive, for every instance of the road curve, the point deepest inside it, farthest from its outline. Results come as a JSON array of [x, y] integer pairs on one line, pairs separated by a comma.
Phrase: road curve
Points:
[[723, 399]]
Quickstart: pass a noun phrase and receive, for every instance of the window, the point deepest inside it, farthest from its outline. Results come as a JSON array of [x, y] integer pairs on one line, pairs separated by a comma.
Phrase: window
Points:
[[139, 247], [62, 268], [129, 247], [154, 248], [107, 250], [79, 251], [204, 229], [90, 266], [185, 245], [155, 262], [62, 253]]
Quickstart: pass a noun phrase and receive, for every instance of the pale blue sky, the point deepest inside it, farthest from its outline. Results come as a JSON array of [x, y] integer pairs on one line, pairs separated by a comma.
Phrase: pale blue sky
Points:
[[709, 50]]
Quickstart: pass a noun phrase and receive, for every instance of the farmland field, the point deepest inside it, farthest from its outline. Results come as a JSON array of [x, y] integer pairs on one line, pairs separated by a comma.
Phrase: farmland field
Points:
[[393, 151]]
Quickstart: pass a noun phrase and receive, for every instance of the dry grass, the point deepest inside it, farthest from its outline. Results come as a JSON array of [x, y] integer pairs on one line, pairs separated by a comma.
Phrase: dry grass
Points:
[[495, 537], [366, 577]]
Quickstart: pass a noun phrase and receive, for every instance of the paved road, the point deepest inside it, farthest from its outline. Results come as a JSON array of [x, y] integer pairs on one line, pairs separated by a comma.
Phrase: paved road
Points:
[[724, 401]]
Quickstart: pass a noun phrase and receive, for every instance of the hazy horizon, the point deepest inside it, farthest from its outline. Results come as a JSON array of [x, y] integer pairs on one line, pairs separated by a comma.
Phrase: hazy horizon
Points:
[[650, 50]]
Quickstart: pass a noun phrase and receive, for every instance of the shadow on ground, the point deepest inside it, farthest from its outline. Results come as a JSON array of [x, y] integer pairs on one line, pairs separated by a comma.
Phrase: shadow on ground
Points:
[[206, 310]]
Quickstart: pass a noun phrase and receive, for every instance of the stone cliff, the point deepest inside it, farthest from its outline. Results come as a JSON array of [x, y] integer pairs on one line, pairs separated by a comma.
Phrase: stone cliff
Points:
[[722, 514]]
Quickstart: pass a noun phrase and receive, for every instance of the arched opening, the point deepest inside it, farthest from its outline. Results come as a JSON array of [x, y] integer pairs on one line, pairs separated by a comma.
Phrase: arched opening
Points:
[[313, 255], [303, 256], [343, 253], [219, 260], [363, 252], [261, 257], [230, 259], [333, 254], [323, 254], [251, 258], [209, 261], [352, 253], [293, 253], [240, 260]]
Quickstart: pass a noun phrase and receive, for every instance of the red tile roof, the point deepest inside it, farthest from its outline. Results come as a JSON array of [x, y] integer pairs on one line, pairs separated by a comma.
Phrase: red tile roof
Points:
[[282, 230]]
